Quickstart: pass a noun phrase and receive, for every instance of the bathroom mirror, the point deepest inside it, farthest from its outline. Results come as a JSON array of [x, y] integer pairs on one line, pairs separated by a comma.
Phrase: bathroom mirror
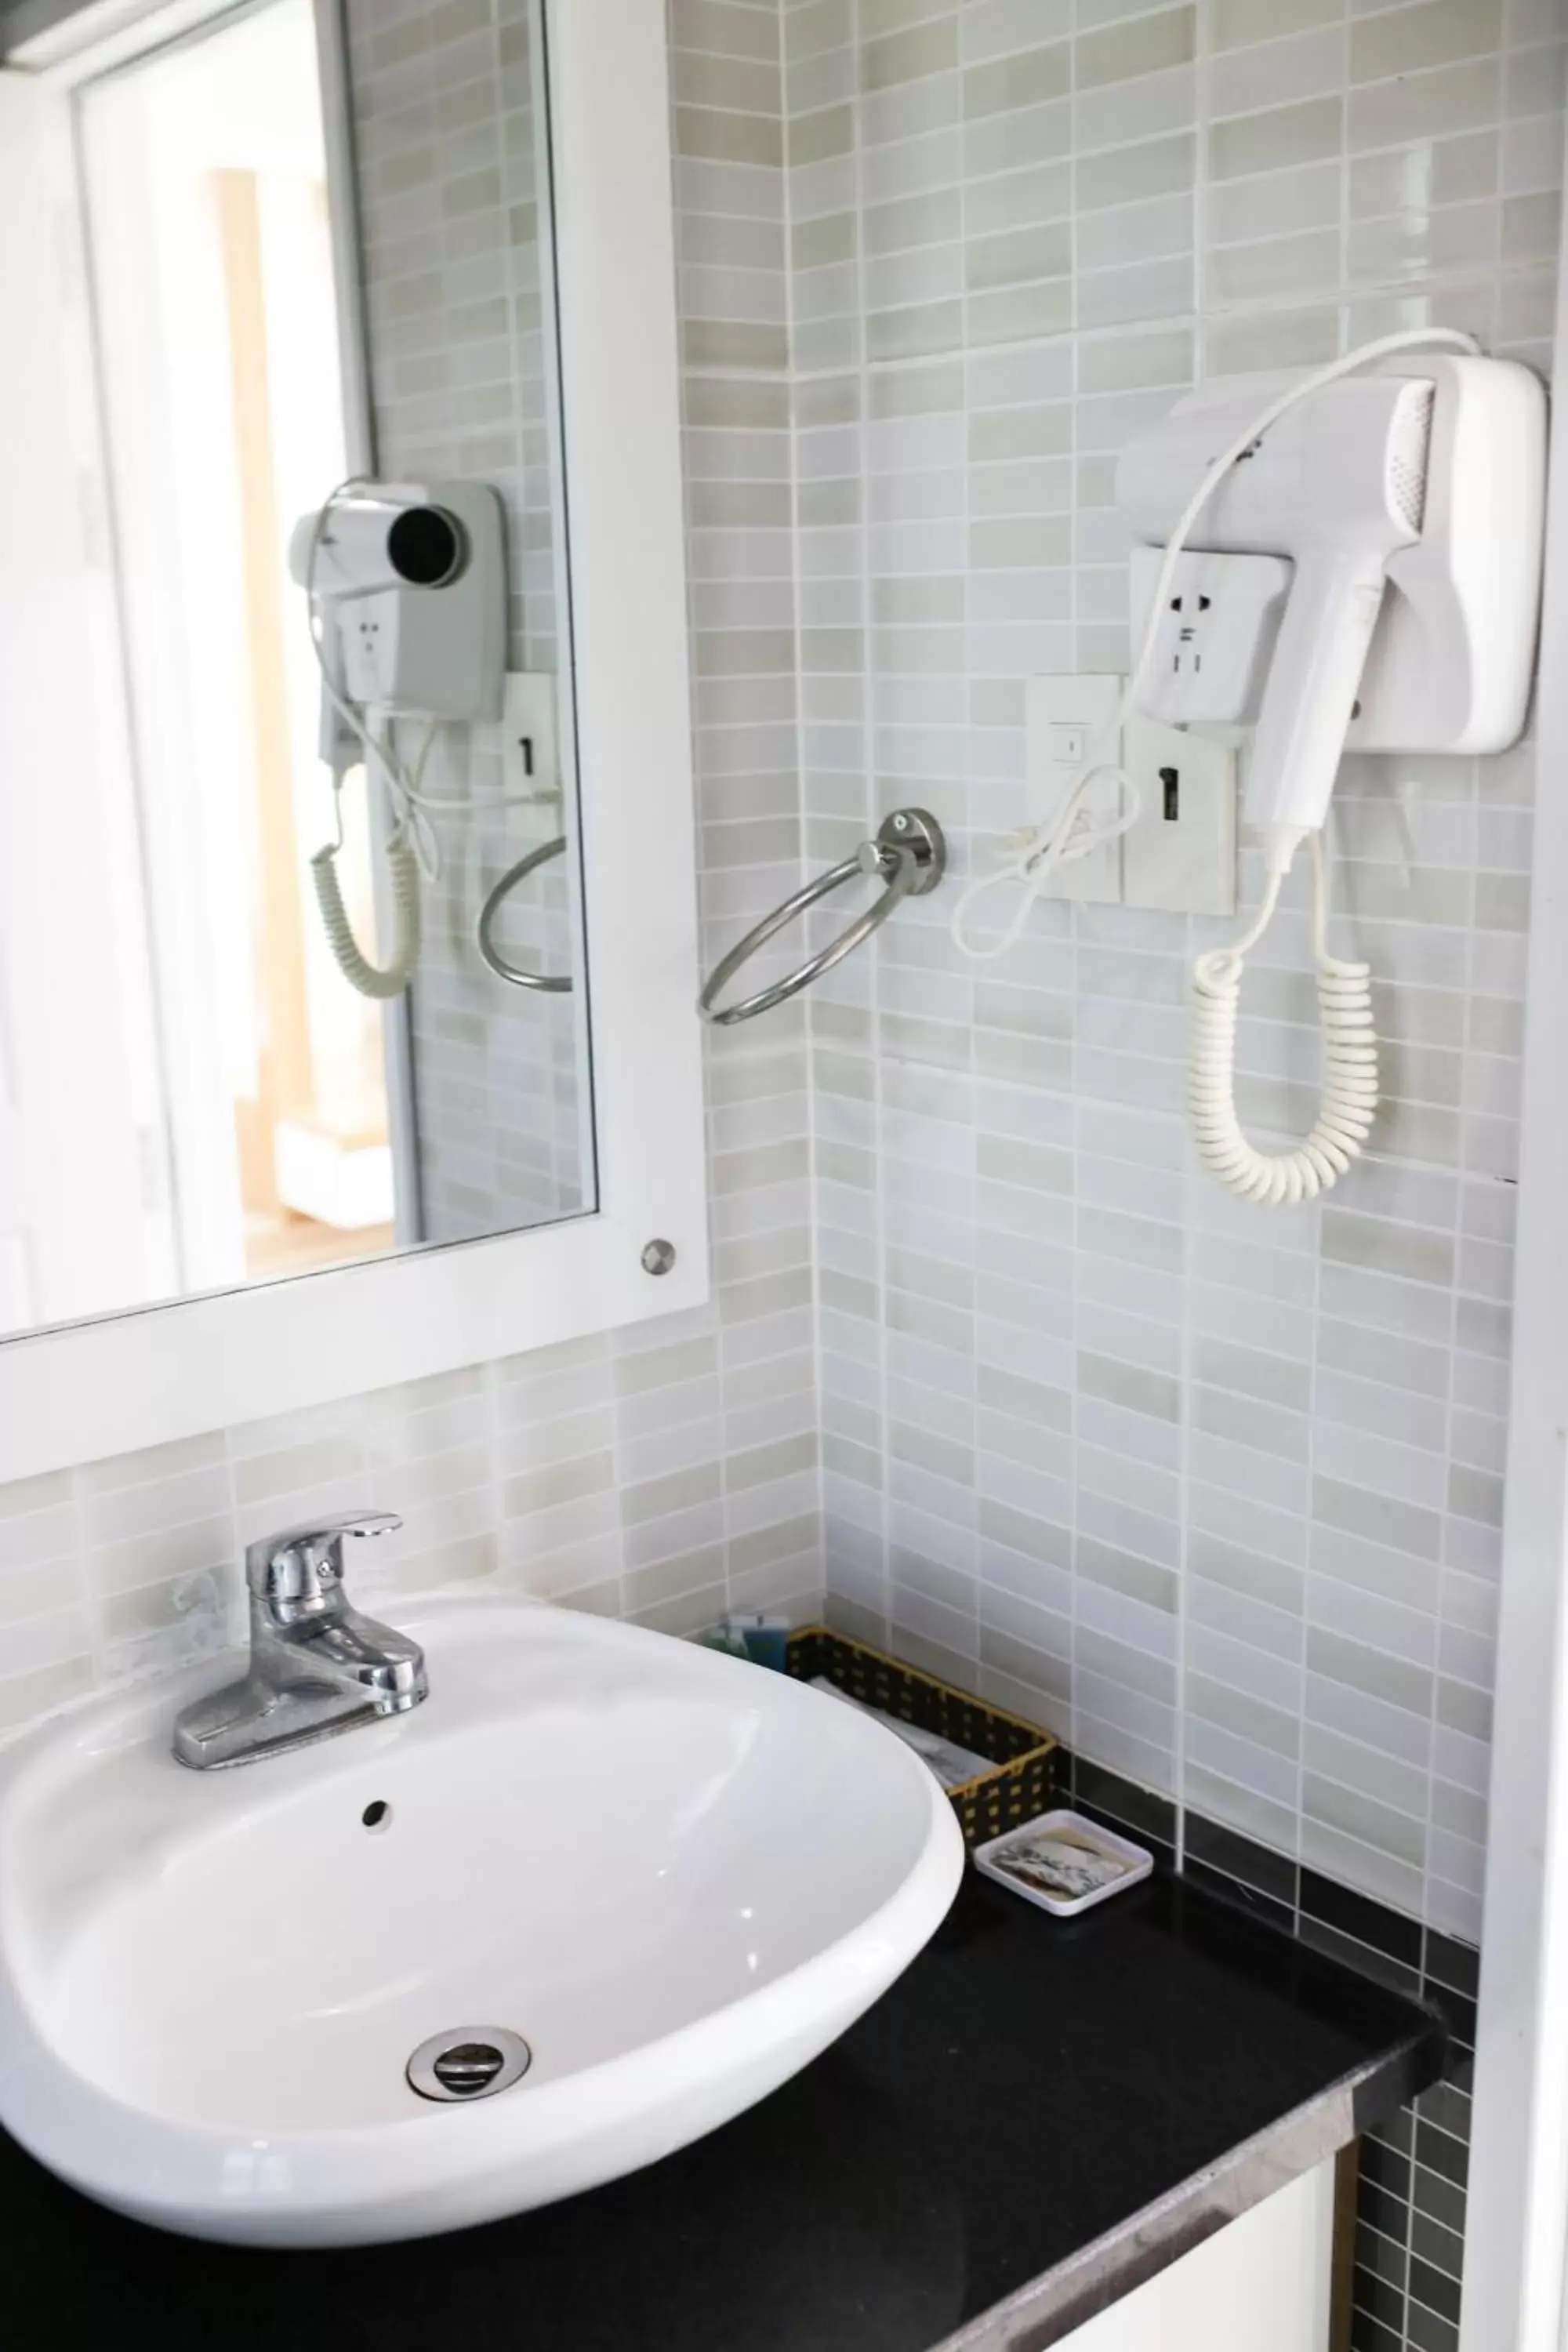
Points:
[[347, 923], [211, 1075]]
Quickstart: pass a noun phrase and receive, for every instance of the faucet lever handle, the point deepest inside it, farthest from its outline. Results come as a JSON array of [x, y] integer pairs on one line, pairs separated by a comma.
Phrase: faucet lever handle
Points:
[[299, 1564]]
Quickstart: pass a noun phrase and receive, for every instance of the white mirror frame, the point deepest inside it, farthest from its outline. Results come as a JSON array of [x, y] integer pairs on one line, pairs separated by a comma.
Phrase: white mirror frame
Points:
[[159, 1373]]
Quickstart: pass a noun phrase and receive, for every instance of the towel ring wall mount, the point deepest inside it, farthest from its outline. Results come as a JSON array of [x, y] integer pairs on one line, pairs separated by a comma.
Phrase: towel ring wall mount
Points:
[[910, 855], [552, 982]]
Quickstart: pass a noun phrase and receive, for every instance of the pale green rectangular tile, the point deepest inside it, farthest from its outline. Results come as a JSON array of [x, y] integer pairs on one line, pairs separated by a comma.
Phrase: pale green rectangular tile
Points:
[[723, 30], [919, 391], [1281, 265], [738, 86], [1236, 24], [1144, 45], [703, 133], [813, 138], [910, 55], [1425, 106], [737, 402], [1430, 33], [935, 217], [1018, 257], [1016, 81], [1132, 1387], [1020, 313], [816, 244], [877, 18], [1041, 432], [1125, 1572], [733, 343], [822, 25], [1393, 1682], [928, 327], [1017, 199], [1124, 176], [1128, 362], [1380, 1519], [1285, 135]]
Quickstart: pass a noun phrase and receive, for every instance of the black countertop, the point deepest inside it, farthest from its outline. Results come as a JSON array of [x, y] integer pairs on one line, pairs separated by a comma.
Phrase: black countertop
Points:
[[1038, 2116]]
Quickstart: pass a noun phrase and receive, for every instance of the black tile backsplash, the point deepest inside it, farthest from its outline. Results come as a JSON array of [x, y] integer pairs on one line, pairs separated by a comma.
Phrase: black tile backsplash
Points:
[[1452, 1964], [1428, 2331], [1139, 1811], [1247, 1898], [1359, 1919], [1356, 1954], [1435, 2288], [1256, 1869], [1442, 2200]]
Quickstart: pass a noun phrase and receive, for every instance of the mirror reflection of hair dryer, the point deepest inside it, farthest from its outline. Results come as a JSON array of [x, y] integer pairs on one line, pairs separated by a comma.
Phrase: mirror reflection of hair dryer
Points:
[[406, 600]]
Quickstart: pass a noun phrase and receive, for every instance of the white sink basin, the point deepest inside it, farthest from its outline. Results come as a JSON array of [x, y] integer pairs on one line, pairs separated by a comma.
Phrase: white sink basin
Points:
[[676, 1877]]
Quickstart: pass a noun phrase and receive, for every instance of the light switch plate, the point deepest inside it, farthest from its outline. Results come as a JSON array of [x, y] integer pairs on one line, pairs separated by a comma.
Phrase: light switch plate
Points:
[[1180, 855], [1064, 716]]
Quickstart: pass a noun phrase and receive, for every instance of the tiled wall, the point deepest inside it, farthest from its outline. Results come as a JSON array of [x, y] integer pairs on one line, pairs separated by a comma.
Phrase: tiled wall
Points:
[[447, 149], [1217, 1488], [1213, 1490], [660, 1472]]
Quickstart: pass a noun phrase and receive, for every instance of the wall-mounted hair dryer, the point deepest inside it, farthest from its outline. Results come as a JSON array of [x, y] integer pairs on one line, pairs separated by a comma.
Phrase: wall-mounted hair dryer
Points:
[[1403, 512], [1347, 559], [1340, 557]]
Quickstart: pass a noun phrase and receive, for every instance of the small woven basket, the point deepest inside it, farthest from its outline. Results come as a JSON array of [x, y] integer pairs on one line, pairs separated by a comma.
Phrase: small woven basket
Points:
[[1023, 1780]]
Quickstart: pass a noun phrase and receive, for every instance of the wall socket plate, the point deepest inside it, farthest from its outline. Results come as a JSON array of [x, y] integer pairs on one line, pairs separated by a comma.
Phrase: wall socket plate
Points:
[[1179, 856], [526, 733]]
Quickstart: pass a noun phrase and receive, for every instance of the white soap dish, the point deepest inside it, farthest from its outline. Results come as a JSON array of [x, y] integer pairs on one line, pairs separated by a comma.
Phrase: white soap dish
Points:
[[1007, 1858]]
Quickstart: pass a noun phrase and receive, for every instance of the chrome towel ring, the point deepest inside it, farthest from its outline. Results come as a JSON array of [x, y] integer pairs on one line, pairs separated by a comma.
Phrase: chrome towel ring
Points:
[[551, 982], [911, 854]]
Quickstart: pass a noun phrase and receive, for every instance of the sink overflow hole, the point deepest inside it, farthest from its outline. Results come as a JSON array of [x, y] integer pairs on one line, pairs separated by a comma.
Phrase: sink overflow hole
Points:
[[471, 2061], [376, 1816]]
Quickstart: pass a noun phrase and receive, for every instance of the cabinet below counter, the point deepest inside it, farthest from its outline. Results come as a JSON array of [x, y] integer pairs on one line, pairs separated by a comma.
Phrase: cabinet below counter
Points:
[[1033, 2139]]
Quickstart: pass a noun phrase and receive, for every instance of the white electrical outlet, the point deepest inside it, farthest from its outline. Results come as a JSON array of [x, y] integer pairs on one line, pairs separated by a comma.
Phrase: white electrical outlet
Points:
[[1065, 716], [1180, 854], [1215, 635]]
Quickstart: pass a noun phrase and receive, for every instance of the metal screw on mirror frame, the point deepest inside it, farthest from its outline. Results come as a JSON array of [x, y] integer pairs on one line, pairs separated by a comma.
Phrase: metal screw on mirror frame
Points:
[[657, 1256]]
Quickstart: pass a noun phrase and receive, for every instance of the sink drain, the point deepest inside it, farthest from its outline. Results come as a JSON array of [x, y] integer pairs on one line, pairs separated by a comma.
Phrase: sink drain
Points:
[[471, 2061]]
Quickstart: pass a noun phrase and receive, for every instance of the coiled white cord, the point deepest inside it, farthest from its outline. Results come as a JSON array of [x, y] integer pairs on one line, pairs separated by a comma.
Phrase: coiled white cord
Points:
[[1031, 857], [404, 870], [1349, 1101], [380, 980]]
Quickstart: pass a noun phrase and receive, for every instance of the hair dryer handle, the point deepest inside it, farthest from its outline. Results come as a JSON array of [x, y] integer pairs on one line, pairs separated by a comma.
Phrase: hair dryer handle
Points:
[[1313, 679]]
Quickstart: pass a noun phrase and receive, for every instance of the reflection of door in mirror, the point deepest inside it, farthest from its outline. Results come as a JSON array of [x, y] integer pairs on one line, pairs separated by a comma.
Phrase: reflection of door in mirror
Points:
[[211, 265], [197, 1089]]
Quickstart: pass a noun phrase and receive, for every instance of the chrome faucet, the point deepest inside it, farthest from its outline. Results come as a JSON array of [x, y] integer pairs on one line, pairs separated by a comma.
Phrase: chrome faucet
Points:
[[317, 1667]]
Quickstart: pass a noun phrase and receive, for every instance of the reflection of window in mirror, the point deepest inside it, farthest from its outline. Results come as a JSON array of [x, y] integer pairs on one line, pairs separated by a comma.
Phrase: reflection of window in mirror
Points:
[[198, 1089]]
